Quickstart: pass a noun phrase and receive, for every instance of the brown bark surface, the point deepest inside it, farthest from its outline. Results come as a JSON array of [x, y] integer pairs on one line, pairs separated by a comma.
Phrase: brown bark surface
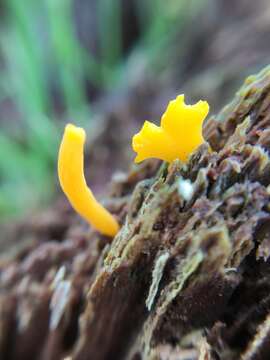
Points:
[[183, 279]]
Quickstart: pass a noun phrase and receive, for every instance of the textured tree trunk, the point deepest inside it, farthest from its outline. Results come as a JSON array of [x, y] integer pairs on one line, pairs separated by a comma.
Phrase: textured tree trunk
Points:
[[187, 277]]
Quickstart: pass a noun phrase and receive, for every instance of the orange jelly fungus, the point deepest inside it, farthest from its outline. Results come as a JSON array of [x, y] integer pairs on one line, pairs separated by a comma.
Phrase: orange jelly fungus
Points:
[[178, 135], [72, 180]]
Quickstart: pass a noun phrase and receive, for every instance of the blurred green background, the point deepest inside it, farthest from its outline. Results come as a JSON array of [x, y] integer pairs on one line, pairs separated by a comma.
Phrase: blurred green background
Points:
[[49, 76], [58, 58]]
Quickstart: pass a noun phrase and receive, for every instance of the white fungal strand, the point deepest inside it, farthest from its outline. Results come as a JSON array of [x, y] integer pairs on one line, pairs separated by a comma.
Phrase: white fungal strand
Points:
[[185, 189]]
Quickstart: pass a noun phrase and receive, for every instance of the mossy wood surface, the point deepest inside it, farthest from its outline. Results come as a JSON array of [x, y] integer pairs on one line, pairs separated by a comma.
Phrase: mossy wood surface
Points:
[[183, 279]]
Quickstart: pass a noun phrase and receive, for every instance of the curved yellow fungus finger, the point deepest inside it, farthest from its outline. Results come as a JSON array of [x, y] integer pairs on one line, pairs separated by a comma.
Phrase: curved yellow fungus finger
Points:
[[72, 180], [178, 135]]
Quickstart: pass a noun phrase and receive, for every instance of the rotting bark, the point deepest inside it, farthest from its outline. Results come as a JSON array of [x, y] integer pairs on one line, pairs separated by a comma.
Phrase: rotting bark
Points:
[[183, 279]]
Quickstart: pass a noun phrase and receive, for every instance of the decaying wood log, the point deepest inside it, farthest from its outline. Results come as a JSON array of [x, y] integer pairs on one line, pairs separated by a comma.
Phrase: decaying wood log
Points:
[[188, 275]]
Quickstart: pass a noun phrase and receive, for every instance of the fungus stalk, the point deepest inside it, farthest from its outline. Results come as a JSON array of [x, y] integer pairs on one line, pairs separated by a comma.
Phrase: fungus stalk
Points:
[[73, 183]]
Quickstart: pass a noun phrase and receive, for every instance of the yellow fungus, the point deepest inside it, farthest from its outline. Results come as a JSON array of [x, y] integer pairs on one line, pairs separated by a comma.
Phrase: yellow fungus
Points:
[[178, 135], [72, 180]]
